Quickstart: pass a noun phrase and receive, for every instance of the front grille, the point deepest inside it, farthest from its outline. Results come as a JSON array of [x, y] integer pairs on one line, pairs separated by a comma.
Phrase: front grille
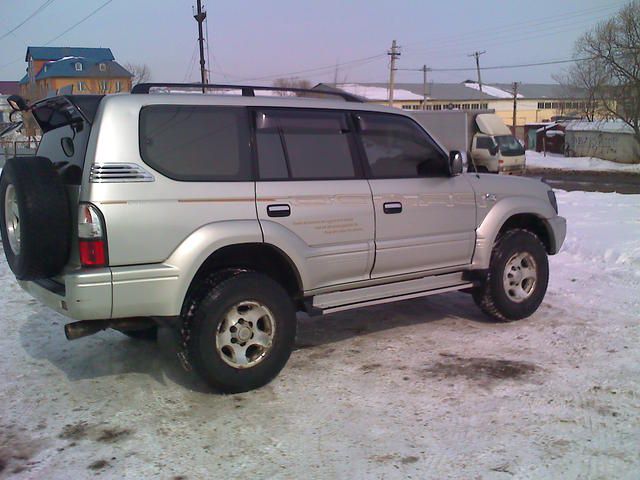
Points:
[[119, 172]]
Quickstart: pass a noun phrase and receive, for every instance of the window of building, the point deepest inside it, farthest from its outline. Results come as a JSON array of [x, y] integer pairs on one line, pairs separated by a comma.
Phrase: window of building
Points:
[[428, 107], [118, 86], [104, 86], [484, 106], [437, 107], [303, 145], [466, 106], [406, 107], [475, 106], [547, 105], [555, 105], [540, 105], [196, 143], [81, 86], [102, 67], [78, 66], [396, 147]]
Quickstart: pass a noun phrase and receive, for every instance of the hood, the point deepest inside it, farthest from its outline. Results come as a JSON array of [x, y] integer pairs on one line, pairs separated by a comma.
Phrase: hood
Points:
[[491, 124]]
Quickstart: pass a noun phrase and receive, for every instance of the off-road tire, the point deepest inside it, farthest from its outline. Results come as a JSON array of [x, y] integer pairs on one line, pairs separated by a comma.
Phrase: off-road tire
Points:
[[491, 296], [208, 316], [44, 218]]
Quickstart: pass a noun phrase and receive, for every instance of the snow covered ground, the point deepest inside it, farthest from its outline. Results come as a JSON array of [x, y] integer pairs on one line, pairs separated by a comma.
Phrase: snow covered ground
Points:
[[420, 389], [560, 162]]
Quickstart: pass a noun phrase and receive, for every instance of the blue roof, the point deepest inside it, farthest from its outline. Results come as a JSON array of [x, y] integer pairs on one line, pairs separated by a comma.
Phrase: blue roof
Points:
[[55, 53], [24, 80], [90, 68]]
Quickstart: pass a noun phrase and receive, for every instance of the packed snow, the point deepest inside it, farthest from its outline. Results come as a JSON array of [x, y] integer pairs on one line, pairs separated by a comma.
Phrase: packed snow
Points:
[[378, 93], [559, 162], [493, 91], [424, 388]]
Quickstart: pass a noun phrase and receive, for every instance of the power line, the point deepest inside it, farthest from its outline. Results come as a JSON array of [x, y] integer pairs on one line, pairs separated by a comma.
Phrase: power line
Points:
[[500, 67], [33, 14], [80, 21]]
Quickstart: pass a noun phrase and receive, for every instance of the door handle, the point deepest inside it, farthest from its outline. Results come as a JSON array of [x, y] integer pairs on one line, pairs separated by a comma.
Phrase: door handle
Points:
[[392, 207], [279, 210]]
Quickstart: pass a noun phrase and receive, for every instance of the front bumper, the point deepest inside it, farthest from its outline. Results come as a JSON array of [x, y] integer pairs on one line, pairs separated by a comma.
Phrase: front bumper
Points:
[[117, 292], [558, 226]]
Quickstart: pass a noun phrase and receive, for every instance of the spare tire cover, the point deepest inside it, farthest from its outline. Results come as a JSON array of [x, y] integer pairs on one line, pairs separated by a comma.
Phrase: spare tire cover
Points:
[[35, 222]]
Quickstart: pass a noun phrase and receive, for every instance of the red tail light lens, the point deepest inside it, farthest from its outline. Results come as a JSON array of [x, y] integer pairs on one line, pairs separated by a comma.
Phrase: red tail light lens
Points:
[[92, 240], [92, 253]]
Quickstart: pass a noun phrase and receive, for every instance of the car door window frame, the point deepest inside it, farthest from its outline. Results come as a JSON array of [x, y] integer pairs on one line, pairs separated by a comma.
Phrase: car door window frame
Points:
[[352, 139], [363, 153]]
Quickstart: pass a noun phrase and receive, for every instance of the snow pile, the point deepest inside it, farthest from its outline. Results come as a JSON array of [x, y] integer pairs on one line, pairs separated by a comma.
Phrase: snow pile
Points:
[[493, 91], [560, 162], [603, 230], [377, 93]]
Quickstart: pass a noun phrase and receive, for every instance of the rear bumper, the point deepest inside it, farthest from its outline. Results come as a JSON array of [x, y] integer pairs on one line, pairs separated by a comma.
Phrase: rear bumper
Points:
[[558, 226], [118, 292], [85, 295]]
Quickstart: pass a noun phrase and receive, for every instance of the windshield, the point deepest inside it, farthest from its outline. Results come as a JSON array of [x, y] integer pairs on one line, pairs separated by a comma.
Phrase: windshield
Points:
[[509, 146]]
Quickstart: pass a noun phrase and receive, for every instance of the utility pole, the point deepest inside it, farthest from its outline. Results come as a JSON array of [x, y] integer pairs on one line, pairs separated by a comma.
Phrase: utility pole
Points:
[[424, 86], [200, 16], [394, 53], [477, 55], [515, 106]]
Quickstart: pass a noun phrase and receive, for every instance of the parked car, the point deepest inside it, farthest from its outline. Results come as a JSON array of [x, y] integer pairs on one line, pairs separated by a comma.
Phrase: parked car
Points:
[[224, 215], [488, 142]]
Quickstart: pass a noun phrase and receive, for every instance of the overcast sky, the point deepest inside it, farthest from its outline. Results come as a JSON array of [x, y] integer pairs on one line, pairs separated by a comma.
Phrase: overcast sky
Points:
[[262, 40]]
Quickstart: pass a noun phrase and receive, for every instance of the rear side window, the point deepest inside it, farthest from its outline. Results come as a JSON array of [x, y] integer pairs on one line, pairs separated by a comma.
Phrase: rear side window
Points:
[[397, 148], [304, 145], [196, 143]]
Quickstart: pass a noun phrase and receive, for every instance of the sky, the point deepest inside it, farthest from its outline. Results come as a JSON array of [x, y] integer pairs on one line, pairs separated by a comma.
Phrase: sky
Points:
[[258, 41]]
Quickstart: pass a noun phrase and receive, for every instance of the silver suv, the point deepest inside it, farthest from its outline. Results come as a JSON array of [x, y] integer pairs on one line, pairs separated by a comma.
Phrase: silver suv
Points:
[[224, 215]]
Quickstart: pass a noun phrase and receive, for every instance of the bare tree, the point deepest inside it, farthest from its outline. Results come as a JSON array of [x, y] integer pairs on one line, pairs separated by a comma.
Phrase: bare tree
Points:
[[141, 72], [609, 69], [291, 83]]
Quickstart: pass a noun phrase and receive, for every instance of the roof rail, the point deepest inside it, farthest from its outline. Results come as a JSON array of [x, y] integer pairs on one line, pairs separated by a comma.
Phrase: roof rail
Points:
[[247, 90]]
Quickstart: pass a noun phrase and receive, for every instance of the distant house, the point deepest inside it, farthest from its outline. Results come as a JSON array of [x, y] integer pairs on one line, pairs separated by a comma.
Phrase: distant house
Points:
[[6, 89], [74, 70]]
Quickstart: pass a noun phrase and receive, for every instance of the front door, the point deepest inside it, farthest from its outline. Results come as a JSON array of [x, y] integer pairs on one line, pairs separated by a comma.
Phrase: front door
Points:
[[312, 199], [425, 218]]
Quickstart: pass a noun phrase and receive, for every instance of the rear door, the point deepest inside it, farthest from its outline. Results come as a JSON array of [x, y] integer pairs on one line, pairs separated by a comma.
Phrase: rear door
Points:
[[312, 200], [425, 218]]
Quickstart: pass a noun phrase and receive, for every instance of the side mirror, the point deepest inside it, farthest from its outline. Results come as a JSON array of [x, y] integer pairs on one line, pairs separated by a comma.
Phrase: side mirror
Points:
[[455, 162], [17, 103]]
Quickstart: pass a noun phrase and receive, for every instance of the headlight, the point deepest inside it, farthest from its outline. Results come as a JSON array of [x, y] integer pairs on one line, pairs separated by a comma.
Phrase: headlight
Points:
[[552, 199]]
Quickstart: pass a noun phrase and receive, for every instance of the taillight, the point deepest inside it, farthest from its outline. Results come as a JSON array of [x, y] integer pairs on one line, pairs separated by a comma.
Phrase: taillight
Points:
[[92, 239]]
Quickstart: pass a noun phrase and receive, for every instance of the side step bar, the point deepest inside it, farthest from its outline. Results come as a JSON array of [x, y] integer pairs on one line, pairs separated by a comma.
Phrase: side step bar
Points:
[[387, 293]]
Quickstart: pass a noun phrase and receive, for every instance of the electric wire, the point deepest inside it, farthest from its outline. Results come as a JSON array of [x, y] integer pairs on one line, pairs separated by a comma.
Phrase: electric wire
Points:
[[33, 14]]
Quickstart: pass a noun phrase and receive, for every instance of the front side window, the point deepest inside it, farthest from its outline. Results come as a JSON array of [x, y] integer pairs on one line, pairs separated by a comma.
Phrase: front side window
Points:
[[196, 143], [396, 147], [303, 145]]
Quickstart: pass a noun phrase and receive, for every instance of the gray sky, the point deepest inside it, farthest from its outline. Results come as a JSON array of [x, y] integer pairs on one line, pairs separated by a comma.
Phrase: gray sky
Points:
[[263, 40]]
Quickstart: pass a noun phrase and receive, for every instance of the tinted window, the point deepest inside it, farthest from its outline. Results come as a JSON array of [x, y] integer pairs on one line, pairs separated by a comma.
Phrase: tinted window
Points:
[[303, 145], [196, 143], [484, 142], [396, 147]]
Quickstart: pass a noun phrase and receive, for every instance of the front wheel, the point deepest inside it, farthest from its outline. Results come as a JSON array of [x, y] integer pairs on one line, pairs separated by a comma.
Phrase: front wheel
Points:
[[517, 279], [242, 332]]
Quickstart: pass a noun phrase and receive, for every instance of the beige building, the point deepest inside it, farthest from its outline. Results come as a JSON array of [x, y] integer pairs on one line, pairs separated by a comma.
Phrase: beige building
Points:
[[535, 102]]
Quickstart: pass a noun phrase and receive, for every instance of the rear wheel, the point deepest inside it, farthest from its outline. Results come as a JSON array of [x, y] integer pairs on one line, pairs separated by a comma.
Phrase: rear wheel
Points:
[[242, 332], [517, 279]]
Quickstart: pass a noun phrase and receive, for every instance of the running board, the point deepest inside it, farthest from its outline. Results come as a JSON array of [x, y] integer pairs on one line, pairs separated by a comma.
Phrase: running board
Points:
[[387, 293]]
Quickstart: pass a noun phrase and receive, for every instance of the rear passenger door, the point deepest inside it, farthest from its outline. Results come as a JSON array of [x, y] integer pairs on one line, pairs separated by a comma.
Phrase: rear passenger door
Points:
[[312, 200], [425, 218]]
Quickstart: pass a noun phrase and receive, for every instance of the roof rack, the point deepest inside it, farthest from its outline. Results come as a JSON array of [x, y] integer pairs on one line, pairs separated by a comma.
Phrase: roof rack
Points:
[[247, 90]]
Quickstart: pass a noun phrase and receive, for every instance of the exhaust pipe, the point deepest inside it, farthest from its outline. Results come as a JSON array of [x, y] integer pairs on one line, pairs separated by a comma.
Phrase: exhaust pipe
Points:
[[84, 328]]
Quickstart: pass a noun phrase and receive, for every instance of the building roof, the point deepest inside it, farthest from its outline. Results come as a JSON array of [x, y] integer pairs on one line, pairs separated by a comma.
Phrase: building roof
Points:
[[469, 91], [608, 126], [9, 87], [56, 53], [376, 92], [66, 67]]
